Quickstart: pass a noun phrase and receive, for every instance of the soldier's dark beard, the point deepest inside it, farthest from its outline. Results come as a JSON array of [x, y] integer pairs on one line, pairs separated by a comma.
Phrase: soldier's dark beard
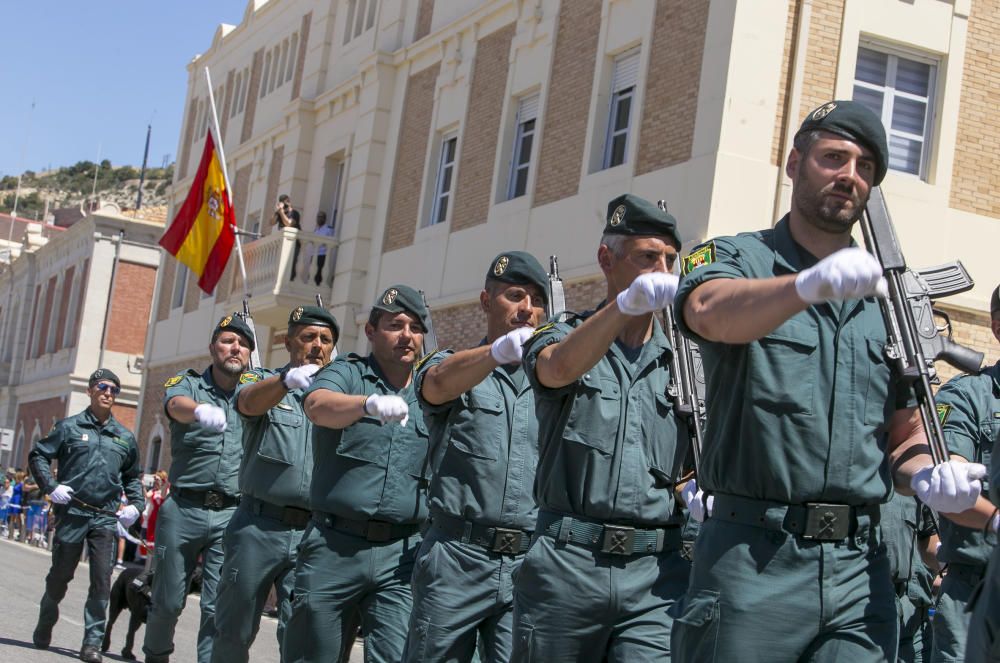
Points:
[[826, 212]]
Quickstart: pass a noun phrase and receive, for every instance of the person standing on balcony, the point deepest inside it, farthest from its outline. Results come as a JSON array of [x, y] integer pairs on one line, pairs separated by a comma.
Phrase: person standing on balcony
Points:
[[368, 492], [286, 216], [264, 535], [322, 230], [206, 442], [98, 459]]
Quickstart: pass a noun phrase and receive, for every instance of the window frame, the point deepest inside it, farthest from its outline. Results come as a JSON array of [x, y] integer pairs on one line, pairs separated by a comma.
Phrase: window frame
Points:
[[618, 95], [517, 162], [179, 286], [439, 179]]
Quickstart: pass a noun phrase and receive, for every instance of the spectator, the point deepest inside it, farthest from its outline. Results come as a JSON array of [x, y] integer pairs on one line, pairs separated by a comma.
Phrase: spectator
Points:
[[325, 231], [6, 492], [154, 500], [15, 519], [286, 216]]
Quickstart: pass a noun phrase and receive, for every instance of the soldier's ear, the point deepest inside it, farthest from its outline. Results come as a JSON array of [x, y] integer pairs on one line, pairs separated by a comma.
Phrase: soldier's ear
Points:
[[995, 325], [484, 301], [792, 163]]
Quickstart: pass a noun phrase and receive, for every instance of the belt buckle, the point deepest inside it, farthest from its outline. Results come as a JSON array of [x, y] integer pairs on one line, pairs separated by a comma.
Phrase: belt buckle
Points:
[[827, 522], [507, 541], [618, 540], [294, 517], [378, 531], [213, 500]]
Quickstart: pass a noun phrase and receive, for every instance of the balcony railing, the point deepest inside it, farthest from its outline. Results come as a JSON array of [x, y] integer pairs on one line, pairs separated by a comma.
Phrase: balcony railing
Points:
[[270, 261]]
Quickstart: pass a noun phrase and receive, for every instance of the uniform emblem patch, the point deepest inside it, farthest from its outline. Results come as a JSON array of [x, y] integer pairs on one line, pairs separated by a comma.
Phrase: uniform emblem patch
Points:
[[249, 378], [823, 111], [617, 216], [225, 321], [545, 327], [943, 410], [701, 256], [172, 381], [422, 361], [120, 442], [501, 265], [297, 314], [84, 437], [390, 296]]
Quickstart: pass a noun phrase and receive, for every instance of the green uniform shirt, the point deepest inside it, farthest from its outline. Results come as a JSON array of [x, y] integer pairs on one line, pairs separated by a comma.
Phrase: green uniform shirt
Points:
[[202, 458], [277, 449], [905, 522], [800, 415], [369, 470], [969, 406], [608, 445], [484, 449], [97, 461]]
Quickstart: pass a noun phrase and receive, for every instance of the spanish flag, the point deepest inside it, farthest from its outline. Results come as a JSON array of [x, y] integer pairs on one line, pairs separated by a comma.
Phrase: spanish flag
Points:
[[202, 234]]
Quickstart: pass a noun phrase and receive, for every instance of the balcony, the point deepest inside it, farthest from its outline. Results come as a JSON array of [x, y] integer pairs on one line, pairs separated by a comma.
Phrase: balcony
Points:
[[269, 262]]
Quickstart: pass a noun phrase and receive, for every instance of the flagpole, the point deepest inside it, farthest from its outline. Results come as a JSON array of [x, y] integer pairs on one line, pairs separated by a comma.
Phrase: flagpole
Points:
[[254, 355]]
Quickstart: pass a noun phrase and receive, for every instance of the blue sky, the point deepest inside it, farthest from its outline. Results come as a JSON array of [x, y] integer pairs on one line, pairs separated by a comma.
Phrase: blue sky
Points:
[[99, 72]]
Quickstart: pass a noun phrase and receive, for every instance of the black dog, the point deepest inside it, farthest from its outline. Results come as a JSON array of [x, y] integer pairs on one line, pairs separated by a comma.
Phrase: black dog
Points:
[[132, 590]]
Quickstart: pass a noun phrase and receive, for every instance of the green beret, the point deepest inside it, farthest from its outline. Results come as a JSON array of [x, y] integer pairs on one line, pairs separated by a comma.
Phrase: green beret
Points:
[[854, 121], [995, 301], [314, 315], [104, 374], [629, 214], [403, 299], [519, 268], [235, 323]]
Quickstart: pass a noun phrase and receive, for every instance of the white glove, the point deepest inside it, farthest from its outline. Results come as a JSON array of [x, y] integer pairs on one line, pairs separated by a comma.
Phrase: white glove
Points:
[[648, 292], [387, 408], [847, 274], [507, 349], [300, 377], [128, 515], [62, 494], [694, 498], [211, 417], [950, 487]]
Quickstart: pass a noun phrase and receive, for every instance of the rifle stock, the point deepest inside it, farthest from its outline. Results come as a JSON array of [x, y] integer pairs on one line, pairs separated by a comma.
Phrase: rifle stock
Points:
[[248, 319], [430, 338]]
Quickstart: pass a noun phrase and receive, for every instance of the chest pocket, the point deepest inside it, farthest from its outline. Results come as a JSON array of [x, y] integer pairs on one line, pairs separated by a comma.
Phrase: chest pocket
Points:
[[477, 428], [367, 440], [783, 374], [878, 409], [596, 411], [283, 438], [417, 453], [113, 455]]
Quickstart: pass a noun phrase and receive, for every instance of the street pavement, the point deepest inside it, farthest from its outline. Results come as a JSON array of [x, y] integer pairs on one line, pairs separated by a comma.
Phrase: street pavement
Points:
[[21, 585]]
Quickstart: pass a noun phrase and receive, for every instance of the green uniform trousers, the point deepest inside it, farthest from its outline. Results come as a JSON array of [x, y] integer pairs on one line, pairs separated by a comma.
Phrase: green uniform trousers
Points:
[[336, 576], [65, 556], [574, 604], [761, 594], [185, 531], [984, 628], [951, 621], [460, 591], [914, 632], [260, 552]]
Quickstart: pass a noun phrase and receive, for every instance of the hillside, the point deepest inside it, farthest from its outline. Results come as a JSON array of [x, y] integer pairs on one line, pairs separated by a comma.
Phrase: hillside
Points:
[[70, 185]]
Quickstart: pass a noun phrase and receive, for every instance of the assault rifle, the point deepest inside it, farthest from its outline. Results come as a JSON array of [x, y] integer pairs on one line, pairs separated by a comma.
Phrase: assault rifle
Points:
[[248, 319], [319, 303], [430, 338], [914, 339], [557, 296]]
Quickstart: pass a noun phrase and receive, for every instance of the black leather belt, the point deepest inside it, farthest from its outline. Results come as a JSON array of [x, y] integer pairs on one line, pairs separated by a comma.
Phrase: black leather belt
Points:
[[503, 540], [376, 531], [210, 499], [813, 521], [294, 517], [609, 538]]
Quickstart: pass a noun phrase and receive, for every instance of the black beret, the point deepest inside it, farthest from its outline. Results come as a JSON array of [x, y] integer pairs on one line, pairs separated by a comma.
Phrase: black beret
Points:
[[314, 315], [520, 268], [629, 214], [235, 323], [403, 299], [854, 121], [104, 374], [995, 301]]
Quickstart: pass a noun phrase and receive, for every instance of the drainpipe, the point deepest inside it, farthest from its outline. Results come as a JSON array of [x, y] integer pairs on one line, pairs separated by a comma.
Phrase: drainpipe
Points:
[[794, 100]]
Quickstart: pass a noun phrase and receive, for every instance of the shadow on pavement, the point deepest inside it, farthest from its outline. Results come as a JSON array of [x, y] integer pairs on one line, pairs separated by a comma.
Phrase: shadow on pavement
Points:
[[71, 653]]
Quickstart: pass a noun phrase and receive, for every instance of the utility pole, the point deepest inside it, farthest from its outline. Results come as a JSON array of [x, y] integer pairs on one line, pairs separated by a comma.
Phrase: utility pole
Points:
[[142, 174]]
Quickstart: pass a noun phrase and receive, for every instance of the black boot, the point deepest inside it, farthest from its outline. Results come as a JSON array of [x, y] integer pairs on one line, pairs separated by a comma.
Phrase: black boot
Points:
[[90, 654]]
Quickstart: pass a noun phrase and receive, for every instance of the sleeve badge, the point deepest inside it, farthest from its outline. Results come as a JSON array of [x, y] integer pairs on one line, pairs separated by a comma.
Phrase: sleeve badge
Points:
[[172, 381], [943, 410], [249, 378], [701, 256]]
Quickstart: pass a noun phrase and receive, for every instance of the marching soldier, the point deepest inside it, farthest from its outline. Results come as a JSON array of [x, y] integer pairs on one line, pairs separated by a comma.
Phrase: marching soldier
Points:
[[604, 567], [801, 409], [98, 459], [263, 536], [480, 412], [368, 492], [206, 436]]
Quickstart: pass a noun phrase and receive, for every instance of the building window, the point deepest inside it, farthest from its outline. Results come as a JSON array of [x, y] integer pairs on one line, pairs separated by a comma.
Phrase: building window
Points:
[[50, 333], [246, 88], [371, 14], [154, 455], [623, 82], [180, 285], [267, 74], [352, 7], [237, 91], [900, 89], [524, 136], [293, 55], [445, 179]]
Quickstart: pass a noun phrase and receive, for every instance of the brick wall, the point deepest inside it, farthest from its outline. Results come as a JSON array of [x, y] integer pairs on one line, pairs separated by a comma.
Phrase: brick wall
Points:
[[976, 174], [168, 270], [125, 414], [182, 166], [565, 132], [64, 306], [971, 329], [820, 75], [414, 132], [129, 314], [273, 180], [301, 55], [670, 103], [425, 15], [45, 412], [152, 406], [482, 125], [253, 92], [781, 119]]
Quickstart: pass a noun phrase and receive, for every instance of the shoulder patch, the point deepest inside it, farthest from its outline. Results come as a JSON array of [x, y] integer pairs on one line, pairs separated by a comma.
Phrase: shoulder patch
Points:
[[547, 326], [172, 381], [249, 378], [701, 256], [422, 361], [943, 410]]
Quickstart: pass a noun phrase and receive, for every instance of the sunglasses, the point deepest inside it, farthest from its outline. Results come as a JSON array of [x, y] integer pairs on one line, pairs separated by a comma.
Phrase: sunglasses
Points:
[[104, 386]]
